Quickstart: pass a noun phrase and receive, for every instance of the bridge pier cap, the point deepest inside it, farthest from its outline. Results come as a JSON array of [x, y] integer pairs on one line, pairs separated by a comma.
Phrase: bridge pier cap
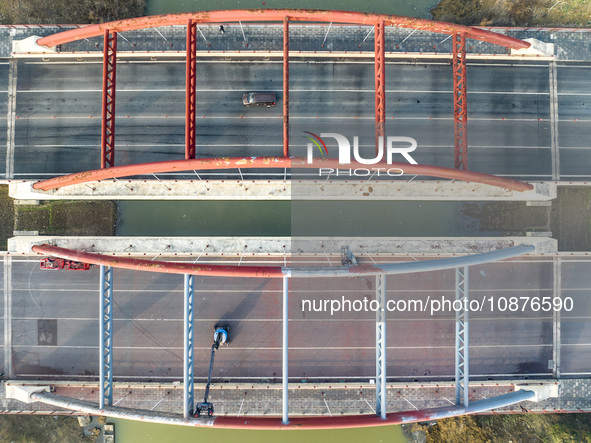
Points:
[[278, 15]]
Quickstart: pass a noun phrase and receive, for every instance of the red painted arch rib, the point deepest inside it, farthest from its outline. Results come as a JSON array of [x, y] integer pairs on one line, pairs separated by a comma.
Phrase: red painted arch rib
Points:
[[278, 15], [273, 163], [159, 266]]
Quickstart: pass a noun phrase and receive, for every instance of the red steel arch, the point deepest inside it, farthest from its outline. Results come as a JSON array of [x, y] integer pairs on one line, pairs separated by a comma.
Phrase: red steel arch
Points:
[[379, 21], [274, 163], [159, 266], [278, 15]]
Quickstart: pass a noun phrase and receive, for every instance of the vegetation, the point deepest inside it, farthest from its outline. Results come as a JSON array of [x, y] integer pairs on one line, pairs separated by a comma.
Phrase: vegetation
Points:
[[96, 218], [523, 428], [565, 13], [6, 217], [68, 11], [41, 429]]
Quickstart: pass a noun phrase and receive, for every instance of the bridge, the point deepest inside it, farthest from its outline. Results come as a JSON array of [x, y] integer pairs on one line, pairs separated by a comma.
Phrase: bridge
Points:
[[526, 138]]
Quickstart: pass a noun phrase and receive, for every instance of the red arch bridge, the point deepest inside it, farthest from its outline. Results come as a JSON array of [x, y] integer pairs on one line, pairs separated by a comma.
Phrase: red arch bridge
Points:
[[109, 31]]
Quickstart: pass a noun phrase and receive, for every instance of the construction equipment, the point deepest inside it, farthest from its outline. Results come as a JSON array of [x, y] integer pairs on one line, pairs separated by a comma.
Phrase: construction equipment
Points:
[[60, 263], [347, 257], [220, 337]]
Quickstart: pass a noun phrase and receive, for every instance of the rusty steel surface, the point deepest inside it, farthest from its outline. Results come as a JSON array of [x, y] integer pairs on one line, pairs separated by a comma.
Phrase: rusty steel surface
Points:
[[159, 266], [278, 15], [108, 103], [460, 102], [283, 271], [380, 83], [274, 423], [190, 90], [286, 87], [206, 164]]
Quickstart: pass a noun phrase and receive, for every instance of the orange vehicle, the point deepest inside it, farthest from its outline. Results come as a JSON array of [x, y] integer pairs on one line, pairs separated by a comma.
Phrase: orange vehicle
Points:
[[60, 263]]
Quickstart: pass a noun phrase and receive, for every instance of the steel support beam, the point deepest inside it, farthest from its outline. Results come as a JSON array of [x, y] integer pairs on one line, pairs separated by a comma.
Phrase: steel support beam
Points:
[[460, 102], [380, 84], [189, 347], [108, 113], [279, 271], [556, 322], [106, 338], [462, 339], [285, 352], [286, 87], [191, 90], [381, 403], [208, 164]]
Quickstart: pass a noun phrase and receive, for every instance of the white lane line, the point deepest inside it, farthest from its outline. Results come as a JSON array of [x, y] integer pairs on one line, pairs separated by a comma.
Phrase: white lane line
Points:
[[554, 121], [8, 316], [294, 291], [276, 116], [11, 119], [274, 348], [444, 317], [250, 145], [291, 90]]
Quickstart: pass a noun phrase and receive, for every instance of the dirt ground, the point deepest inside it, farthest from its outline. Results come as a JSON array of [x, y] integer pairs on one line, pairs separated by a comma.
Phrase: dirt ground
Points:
[[522, 428], [41, 429]]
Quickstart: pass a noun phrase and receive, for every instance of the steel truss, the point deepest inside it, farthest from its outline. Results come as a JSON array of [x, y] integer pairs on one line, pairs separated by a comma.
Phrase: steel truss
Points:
[[285, 351], [462, 337], [108, 112], [286, 87], [106, 337], [381, 403], [191, 90], [460, 102], [380, 83], [189, 347]]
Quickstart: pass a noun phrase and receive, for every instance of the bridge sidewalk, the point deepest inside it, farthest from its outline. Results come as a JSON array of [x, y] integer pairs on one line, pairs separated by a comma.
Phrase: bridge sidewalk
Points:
[[570, 44], [322, 399]]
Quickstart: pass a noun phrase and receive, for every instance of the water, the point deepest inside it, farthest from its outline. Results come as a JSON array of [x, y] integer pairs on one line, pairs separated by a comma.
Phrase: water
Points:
[[297, 218], [415, 8], [204, 218], [133, 431]]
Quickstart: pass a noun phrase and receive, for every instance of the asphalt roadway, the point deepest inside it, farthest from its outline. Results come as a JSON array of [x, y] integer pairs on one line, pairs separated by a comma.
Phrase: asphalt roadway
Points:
[[58, 109], [54, 315]]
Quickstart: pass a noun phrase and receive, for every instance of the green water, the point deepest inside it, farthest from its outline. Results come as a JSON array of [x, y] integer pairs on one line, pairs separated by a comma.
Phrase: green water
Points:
[[201, 218], [417, 8], [127, 431], [297, 218]]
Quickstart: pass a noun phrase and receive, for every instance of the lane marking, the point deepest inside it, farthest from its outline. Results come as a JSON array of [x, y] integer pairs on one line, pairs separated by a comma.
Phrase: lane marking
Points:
[[554, 121], [277, 116], [8, 316], [278, 348], [250, 145], [291, 90], [443, 317], [11, 119]]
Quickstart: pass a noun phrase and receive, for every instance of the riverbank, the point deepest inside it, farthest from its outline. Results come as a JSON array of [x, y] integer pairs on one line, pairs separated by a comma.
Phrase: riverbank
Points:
[[527, 13], [83, 218]]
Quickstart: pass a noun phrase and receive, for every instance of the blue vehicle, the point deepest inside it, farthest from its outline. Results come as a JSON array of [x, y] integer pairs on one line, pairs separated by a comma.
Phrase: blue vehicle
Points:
[[220, 337]]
